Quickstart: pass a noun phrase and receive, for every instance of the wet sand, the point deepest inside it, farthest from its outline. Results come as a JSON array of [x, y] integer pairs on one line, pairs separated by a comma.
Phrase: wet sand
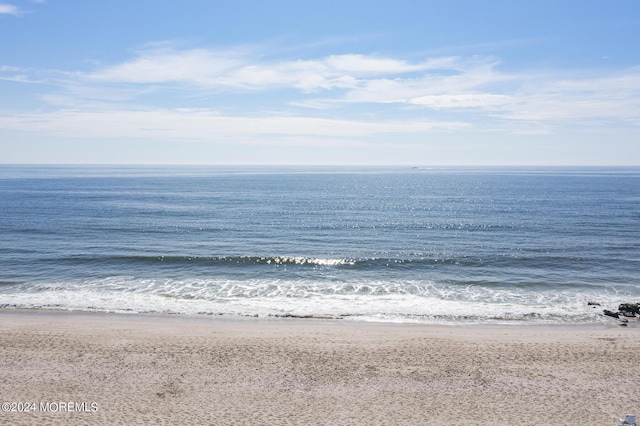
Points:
[[83, 368]]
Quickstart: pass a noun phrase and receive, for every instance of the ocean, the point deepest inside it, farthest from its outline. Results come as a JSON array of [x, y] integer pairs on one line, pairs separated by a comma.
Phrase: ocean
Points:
[[393, 244]]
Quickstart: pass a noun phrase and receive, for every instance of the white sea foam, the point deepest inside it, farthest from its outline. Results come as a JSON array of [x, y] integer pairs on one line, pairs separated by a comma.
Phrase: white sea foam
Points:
[[422, 302]]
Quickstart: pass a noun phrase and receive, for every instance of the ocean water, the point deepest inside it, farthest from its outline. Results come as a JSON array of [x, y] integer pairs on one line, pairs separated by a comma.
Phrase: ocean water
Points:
[[399, 244]]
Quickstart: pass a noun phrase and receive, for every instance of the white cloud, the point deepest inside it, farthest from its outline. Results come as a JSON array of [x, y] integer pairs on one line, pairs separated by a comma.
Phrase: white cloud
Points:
[[17, 78], [363, 89], [198, 67], [613, 97], [192, 124], [17, 75], [460, 77], [213, 69], [10, 9], [467, 100], [370, 65], [554, 99]]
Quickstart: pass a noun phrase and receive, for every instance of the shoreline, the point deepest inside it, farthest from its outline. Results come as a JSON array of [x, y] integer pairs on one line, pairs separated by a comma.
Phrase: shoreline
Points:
[[158, 368], [604, 320], [229, 320]]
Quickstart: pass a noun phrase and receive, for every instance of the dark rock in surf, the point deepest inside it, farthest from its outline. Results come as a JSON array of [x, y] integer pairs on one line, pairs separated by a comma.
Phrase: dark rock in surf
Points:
[[629, 309], [611, 314]]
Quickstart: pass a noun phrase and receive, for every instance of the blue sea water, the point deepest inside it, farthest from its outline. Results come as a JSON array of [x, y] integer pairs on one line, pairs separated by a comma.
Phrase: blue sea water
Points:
[[401, 244]]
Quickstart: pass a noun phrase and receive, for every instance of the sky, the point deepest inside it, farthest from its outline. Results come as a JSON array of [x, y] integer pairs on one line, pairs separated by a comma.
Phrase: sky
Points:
[[455, 82]]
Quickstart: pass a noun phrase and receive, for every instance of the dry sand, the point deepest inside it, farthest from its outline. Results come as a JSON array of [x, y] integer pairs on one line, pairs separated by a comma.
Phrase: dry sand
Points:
[[135, 369]]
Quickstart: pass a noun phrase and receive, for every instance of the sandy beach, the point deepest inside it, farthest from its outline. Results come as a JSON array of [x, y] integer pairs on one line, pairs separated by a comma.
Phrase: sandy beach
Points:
[[83, 368]]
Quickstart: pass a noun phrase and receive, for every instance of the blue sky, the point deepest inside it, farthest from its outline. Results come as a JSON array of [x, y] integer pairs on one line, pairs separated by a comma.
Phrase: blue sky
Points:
[[320, 82]]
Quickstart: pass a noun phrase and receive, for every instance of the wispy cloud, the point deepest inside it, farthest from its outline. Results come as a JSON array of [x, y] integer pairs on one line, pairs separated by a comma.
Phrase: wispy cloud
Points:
[[18, 75], [352, 78], [614, 97], [9, 9], [211, 69], [467, 100], [195, 124], [198, 67], [332, 96]]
